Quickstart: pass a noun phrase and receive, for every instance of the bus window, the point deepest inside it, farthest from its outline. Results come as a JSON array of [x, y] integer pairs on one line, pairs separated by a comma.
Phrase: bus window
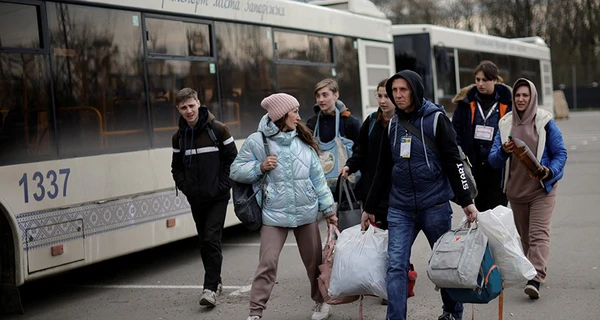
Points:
[[348, 79], [99, 89], [245, 68], [26, 131], [413, 53], [530, 69], [300, 82], [302, 47], [19, 26], [446, 77], [177, 38], [467, 62]]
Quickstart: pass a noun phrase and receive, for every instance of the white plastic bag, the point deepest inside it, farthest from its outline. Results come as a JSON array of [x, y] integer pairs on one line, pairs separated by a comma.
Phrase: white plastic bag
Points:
[[360, 263], [505, 243]]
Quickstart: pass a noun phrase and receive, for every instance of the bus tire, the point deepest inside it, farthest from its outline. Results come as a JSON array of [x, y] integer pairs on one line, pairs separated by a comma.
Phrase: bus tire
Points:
[[10, 299]]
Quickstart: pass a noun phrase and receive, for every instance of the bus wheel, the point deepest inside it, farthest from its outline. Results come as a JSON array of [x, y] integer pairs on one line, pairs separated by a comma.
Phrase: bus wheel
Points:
[[10, 300]]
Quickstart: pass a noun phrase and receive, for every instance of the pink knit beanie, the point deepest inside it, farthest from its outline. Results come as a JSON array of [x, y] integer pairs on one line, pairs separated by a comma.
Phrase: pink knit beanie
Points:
[[279, 104]]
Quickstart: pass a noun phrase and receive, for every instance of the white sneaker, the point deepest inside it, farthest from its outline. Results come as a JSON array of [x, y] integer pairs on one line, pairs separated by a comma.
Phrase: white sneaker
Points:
[[219, 289], [209, 298], [254, 318], [321, 311]]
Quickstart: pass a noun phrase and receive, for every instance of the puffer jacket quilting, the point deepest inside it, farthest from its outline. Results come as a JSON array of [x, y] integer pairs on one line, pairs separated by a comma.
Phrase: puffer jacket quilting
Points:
[[296, 189]]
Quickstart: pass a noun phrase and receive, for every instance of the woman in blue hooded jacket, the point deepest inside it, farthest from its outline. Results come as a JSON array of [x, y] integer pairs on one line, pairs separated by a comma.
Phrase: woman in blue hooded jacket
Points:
[[296, 191], [532, 199]]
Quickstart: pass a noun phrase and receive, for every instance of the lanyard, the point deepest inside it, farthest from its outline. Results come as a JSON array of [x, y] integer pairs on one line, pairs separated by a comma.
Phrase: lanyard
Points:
[[489, 112]]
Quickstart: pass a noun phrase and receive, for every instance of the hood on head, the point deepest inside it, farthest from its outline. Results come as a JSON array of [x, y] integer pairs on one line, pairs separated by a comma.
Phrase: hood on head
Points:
[[415, 83], [503, 93], [338, 104], [529, 114]]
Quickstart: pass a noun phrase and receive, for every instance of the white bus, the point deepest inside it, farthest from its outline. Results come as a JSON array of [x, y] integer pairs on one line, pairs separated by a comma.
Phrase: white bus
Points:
[[86, 106], [446, 58]]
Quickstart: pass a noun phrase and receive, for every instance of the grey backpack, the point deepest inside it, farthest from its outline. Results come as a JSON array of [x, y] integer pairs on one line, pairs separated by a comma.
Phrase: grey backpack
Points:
[[456, 258]]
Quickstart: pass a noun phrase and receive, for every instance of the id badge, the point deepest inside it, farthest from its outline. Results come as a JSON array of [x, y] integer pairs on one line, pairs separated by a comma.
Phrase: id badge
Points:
[[405, 147], [484, 133]]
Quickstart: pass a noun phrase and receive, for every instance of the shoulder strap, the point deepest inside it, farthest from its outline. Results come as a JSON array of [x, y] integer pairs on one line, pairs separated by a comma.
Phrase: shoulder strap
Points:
[[264, 179], [372, 121], [435, 122], [345, 134], [211, 133], [430, 143], [265, 144]]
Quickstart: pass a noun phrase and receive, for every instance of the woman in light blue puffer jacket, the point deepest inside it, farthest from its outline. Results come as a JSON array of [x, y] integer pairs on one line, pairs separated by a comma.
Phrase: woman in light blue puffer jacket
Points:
[[296, 191]]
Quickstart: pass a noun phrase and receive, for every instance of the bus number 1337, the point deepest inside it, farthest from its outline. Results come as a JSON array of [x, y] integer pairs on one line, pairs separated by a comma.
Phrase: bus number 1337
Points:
[[52, 185]]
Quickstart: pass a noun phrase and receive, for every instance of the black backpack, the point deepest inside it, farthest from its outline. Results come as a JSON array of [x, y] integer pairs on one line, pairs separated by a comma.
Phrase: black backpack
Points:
[[245, 204]]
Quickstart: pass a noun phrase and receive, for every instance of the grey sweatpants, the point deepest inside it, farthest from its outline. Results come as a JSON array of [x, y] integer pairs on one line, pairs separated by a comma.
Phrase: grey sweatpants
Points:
[[533, 220], [272, 240]]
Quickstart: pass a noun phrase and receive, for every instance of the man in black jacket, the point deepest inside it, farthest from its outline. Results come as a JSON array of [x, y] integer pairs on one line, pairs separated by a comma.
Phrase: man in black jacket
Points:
[[203, 150], [422, 183]]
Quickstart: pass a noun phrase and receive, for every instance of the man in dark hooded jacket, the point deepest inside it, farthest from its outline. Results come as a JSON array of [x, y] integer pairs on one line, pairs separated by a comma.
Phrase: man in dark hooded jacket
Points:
[[423, 182], [203, 150]]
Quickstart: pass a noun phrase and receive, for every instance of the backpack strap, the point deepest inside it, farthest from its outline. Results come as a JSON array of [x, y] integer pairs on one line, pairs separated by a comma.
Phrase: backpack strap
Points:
[[345, 126], [435, 122], [265, 144], [211, 134], [430, 143], [372, 120]]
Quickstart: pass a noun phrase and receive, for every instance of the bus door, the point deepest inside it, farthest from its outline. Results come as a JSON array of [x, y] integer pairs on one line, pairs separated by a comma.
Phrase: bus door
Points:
[[375, 63]]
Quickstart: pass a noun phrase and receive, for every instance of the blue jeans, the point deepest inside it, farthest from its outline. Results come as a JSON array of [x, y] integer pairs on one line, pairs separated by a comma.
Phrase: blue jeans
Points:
[[403, 228]]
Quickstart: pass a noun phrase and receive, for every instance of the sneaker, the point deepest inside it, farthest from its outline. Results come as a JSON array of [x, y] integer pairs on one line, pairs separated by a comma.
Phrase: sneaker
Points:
[[448, 316], [209, 298], [532, 289], [219, 289], [254, 318], [321, 311]]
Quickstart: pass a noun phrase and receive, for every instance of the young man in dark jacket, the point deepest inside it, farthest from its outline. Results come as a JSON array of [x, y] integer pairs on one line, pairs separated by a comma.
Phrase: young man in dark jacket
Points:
[[203, 150], [480, 107], [422, 184]]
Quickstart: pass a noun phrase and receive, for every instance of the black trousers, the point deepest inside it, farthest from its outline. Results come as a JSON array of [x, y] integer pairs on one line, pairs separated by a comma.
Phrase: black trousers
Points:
[[489, 187], [210, 218]]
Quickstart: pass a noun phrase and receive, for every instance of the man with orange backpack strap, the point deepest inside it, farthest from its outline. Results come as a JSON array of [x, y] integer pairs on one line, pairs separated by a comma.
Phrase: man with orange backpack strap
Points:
[[479, 108]]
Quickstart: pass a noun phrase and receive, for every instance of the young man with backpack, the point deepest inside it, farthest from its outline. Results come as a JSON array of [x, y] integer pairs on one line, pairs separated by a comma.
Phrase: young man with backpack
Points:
[[422, 183], [203, 150]]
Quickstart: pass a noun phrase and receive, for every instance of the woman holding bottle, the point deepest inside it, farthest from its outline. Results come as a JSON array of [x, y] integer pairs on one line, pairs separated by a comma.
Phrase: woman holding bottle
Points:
[[530, 187]]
